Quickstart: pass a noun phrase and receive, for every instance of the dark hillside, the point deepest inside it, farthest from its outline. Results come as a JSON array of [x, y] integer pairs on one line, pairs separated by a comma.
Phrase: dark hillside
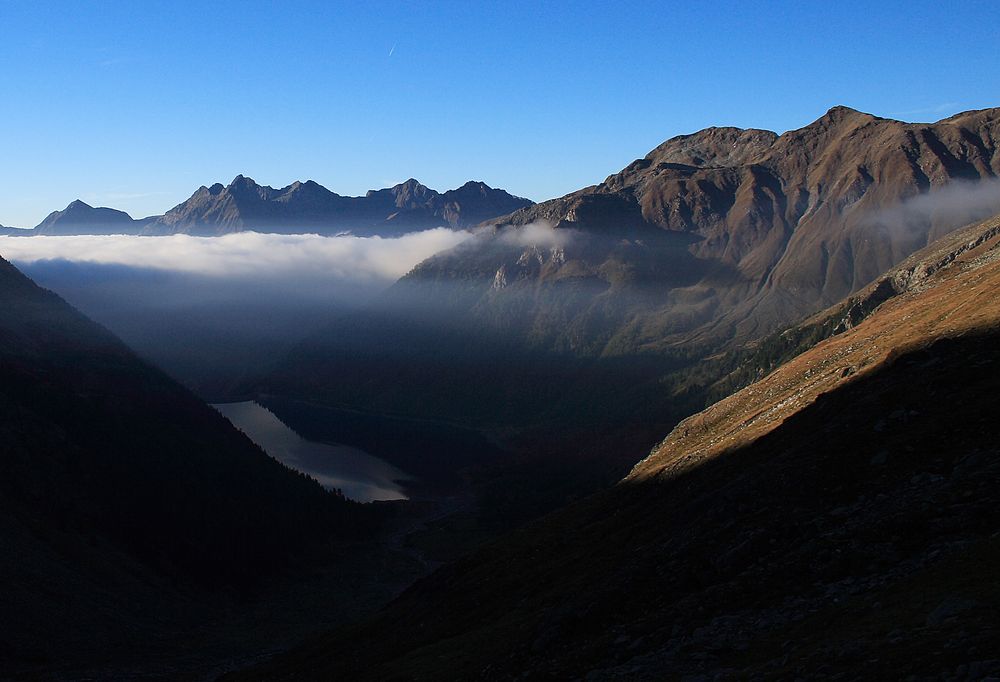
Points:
[[126, 485]]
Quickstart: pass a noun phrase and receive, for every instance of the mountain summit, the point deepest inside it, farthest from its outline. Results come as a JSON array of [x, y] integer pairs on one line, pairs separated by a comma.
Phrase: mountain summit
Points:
[[82, 218]]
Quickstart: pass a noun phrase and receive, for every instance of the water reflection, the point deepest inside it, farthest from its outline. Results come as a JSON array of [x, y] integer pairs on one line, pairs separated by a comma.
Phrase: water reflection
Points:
[[359, 475]]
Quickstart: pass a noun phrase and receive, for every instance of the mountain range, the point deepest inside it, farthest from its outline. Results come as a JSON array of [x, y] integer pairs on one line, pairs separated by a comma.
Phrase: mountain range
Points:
[[728, 234], [299, 207]]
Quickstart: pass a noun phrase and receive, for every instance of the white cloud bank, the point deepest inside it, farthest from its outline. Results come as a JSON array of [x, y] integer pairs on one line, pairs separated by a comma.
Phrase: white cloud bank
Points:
[[246, 254], [538, 233], [958, 203]]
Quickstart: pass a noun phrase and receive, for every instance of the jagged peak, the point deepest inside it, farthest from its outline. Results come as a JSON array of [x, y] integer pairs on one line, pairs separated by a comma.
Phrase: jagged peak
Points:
[[411, 183], [243, 181], [78, 204], [306, 185], [475, 184], [411, 191]]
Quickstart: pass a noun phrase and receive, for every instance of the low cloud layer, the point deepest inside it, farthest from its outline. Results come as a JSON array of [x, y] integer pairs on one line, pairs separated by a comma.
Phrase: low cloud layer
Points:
[[214, 311], [539, 233], [249, 254], [955, 204]]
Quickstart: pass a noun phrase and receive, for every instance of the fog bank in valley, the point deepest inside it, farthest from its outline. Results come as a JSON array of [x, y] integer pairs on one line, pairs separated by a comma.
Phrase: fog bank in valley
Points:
[[216, 311], [291, 260]]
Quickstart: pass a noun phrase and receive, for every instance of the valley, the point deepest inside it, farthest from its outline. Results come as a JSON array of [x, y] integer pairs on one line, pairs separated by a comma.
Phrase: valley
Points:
[[698, 417], [844, 521]]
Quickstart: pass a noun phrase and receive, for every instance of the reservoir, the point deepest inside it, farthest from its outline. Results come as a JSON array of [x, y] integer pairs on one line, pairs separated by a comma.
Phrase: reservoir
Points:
[[357, 474]]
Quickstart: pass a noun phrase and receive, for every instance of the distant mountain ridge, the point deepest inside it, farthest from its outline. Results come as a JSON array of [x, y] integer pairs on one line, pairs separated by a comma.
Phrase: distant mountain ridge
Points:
[[82, 218], [308, 206], [299, 207]]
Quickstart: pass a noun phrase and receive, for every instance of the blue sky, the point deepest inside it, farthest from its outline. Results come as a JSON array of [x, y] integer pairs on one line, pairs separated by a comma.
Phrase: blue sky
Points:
[[136, 104]]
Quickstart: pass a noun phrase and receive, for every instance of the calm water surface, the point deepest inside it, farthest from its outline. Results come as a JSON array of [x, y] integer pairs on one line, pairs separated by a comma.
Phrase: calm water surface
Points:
[[359, 475]]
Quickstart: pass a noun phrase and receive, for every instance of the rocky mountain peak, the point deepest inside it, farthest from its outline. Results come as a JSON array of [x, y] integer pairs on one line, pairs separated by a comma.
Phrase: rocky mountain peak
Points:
[[82, 218], [473, 187], [411, 192], [242, 182]]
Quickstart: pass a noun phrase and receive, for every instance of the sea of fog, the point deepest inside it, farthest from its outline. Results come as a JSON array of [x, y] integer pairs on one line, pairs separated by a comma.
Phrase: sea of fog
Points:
[[297, 260], [216, 312]]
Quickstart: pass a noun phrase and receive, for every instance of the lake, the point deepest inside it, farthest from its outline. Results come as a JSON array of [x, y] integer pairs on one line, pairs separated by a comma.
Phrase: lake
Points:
[[357, 474]]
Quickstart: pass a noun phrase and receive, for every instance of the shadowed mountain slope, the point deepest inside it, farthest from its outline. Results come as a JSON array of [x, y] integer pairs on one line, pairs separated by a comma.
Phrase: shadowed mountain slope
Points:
[[839, 515], [121, 491]]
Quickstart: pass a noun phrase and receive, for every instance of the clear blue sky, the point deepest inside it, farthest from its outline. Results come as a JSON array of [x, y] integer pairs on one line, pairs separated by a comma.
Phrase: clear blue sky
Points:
[[136, 104]]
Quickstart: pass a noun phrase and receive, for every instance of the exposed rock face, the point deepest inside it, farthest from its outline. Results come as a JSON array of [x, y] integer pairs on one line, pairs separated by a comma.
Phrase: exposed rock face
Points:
[[81, 218], [308, 206], [473, 203], [738, 232]]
